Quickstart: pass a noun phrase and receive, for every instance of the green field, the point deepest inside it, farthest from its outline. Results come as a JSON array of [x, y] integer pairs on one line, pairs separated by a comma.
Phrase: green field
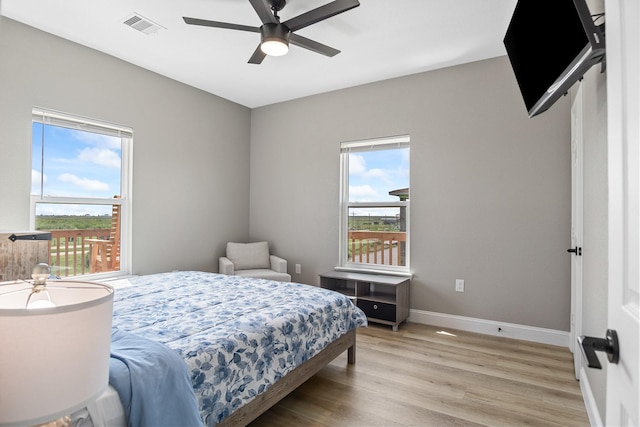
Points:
[[373, 223], [72, 222]]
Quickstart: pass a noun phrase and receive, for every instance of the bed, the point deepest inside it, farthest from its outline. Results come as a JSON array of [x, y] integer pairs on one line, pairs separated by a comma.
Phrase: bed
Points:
[[246, 342]]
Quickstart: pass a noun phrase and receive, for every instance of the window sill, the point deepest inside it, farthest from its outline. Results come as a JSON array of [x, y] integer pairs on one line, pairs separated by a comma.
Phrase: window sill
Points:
[[374, 271]]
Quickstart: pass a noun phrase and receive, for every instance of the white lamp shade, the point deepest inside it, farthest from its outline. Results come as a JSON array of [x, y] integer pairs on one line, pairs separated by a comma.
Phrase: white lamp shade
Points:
[[54, 360]]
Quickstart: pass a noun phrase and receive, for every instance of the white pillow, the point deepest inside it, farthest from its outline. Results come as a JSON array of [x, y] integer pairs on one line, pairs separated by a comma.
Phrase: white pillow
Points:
[[248, 256]]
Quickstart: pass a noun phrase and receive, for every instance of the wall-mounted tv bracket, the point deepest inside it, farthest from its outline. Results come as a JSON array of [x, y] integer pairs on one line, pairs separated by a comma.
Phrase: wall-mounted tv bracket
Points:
[[603, 59], [601, 27], [609, 345]]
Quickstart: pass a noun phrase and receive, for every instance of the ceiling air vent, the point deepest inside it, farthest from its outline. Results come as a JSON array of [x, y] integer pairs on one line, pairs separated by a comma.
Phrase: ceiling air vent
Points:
[[142, 24]]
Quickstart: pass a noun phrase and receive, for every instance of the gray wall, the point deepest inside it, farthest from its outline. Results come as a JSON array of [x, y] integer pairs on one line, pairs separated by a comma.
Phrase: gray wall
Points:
[[490, 188], [190, 149]]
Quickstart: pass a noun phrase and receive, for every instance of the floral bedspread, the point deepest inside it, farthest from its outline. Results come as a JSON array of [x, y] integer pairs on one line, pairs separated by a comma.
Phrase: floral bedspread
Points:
[[237, 335]]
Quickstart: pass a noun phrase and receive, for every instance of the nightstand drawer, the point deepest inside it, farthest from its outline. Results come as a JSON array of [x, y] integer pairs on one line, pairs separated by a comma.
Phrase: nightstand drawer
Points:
[[378, 310]]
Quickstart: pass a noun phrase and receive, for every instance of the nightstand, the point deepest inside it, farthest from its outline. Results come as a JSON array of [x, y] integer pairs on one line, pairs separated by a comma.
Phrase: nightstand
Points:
[[383, 298]]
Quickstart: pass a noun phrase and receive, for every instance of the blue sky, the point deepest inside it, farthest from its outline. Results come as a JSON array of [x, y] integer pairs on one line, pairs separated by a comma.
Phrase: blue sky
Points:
[[372, 174], [76, 164]]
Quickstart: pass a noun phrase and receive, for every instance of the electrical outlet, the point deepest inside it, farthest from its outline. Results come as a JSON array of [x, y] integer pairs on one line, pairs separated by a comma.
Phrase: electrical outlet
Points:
[[298, 269], [459, 285]]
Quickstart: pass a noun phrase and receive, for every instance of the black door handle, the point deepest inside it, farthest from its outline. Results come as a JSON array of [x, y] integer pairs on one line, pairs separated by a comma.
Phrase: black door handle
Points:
[[577, 250], [609, 345]]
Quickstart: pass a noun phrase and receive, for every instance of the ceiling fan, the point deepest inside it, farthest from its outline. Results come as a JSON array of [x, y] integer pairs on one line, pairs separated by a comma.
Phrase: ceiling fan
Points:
[[276, 35]]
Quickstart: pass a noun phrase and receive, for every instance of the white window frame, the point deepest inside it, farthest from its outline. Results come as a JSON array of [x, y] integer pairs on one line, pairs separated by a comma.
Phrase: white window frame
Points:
[[347, 147], [71, 121]]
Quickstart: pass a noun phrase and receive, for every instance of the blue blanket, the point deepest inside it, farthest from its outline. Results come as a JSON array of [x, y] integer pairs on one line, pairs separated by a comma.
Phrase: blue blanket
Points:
[[153, 383]]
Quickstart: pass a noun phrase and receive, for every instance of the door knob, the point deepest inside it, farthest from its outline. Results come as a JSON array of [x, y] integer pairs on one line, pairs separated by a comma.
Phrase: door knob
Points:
[[577, 250], [608, 344]]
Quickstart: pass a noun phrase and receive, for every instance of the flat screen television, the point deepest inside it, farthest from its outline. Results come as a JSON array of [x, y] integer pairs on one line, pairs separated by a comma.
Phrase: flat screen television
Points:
[[551, 44]]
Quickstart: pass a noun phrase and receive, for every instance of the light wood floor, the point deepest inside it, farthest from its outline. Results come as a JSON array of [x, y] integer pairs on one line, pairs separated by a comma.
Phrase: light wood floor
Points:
[[418, 376]]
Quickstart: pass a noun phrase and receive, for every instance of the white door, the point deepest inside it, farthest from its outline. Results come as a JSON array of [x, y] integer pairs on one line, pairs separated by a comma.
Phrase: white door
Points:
[[576, 228], [623, 99]]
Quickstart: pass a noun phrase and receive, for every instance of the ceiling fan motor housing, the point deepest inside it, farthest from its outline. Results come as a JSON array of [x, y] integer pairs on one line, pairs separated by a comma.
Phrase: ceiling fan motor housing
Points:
[[275, 32]]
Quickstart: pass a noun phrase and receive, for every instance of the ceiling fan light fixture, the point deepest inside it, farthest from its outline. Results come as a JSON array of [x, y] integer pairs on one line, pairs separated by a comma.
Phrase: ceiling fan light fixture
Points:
[[274, 47], [275, 39]]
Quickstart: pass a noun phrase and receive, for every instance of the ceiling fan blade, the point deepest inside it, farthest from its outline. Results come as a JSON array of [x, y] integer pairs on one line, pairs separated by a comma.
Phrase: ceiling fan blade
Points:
[[263, 9], [314, 46], [320, 13], [216, 24], [258, 56]]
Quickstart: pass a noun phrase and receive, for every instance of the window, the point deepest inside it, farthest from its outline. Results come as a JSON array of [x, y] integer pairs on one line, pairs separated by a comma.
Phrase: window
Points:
[[80, 191], [374, 220]]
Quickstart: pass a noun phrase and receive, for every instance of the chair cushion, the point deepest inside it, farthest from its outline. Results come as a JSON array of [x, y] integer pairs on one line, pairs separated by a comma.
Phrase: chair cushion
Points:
[[246, 256], [263, 273]]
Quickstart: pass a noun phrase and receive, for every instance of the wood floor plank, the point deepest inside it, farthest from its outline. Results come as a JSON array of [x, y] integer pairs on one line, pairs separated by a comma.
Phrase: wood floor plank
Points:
[[421, 376]]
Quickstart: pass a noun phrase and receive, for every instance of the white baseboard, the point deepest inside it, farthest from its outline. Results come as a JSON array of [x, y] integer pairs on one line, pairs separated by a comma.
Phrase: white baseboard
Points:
[[589, 400], [491, 327]]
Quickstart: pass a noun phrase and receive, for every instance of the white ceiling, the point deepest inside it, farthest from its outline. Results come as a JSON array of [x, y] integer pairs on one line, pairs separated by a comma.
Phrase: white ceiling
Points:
[[378, 40]]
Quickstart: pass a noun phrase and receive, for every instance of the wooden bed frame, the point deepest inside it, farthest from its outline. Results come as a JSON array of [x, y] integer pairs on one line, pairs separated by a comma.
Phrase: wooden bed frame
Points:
[[252, 410]]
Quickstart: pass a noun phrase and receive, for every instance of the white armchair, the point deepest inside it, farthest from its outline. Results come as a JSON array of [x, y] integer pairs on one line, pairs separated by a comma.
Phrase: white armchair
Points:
[[253, 260]]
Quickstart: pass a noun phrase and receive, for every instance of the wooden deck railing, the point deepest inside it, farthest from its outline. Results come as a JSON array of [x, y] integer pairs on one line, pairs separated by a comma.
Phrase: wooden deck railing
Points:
[[69, 254], [378, 247]]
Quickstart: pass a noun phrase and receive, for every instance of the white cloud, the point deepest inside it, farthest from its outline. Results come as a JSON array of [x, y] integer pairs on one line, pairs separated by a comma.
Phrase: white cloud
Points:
[[98, 140], [357, 164], [382, 174], [360, 192], [84, 183], [36, 177], [100, 156]]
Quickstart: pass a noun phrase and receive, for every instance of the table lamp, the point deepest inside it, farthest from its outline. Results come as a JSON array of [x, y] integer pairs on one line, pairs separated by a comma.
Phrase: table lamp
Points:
[[55, 349]]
